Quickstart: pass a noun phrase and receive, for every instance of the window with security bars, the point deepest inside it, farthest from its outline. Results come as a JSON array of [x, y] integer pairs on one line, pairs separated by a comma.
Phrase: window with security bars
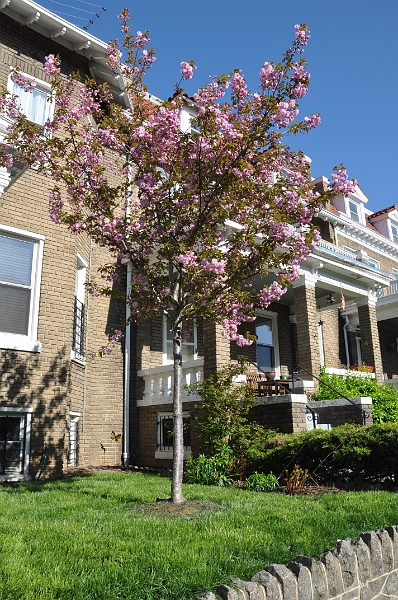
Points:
[[79, 321], [165, 432], [12, 444], [78, 330]]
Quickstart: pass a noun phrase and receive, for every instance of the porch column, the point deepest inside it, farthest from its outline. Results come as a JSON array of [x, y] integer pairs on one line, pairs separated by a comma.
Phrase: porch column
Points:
[[307, 325], [216, 348], [370, 341]]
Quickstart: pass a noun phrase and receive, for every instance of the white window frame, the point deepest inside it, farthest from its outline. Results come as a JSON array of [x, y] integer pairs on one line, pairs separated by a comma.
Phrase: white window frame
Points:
[[80, 294], [41, 85], [394, 236], [73, 448], [358, 212], [168, 454], [19, 412], [373, 262], [166, 360], [273, 316], [29, 342]]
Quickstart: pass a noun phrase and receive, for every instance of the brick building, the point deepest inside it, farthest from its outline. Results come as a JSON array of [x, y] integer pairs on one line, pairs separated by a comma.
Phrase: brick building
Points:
[[54, 388]]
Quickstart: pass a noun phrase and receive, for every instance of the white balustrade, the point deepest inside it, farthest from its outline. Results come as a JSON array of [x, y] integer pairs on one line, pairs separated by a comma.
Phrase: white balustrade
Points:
[[159, 382]]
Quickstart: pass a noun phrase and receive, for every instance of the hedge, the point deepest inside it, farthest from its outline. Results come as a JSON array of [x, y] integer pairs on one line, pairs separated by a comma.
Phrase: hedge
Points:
[[350, 453]]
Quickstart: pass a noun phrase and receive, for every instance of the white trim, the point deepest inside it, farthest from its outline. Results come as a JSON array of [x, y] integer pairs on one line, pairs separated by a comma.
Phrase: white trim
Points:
[[29, 342], [165, 359]]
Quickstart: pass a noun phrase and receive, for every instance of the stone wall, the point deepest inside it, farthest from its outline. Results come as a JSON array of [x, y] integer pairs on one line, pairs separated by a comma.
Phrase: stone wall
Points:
[[338, 412], [364, 568]]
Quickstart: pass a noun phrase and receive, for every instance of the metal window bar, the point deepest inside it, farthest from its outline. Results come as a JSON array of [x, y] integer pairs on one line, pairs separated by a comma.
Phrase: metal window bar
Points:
[[78, 330], [165, 429], [298, 369]]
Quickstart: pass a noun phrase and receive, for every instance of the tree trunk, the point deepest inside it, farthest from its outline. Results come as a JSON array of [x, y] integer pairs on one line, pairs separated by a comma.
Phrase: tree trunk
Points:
[[178, 434]]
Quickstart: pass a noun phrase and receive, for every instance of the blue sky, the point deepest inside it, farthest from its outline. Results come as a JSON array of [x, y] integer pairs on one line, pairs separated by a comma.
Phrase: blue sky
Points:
[[352, 58]]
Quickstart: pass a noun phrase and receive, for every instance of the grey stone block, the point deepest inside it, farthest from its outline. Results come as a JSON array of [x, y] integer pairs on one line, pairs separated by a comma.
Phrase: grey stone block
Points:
[[333, 574], [386, 550], [391, 586], [270, 584], [304, 583], [318, 576], [228, 593], [363, 559], [287, 580], [348, 563], [253, 590], [393, 533], [373, 590], [376, 559]]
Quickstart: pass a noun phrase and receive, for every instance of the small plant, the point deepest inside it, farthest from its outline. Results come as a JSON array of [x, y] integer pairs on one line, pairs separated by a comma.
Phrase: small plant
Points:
[[115, 437], [296, 479], [212, 470], [258, 482]]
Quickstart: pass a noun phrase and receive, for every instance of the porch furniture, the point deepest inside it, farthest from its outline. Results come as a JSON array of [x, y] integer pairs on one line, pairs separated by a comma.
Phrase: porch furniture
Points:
[[267, 387]]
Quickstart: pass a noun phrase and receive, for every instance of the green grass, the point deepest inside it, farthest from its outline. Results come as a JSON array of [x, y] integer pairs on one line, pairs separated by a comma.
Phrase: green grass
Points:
[[79, 539]]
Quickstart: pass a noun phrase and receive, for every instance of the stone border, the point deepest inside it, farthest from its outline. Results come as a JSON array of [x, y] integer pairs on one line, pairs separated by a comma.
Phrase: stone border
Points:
[[364, 568]]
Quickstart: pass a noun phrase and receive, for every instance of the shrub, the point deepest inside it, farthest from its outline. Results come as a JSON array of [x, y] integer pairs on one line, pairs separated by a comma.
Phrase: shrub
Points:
[[222, 417], [212, 470], [384, 397], [350, 453], [258, 482]]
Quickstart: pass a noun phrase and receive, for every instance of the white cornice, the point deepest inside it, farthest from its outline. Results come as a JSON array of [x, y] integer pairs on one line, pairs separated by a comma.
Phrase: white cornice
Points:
[[370, 239]]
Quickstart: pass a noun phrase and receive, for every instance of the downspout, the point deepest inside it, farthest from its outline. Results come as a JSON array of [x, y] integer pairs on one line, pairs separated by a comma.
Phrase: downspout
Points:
[[86, 338], [127, 345], [345, 326], [126, 405]]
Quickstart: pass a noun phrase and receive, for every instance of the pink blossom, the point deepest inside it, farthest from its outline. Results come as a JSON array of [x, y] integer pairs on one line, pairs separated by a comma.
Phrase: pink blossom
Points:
[[51, 65], [187, 70], [342, 184], [28, 85], [312, 121], [214, 266], [273, 293], [302, 34], [269, 76]]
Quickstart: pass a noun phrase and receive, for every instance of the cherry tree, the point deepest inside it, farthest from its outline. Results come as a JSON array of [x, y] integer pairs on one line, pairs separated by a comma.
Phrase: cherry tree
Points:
[[197, 214]]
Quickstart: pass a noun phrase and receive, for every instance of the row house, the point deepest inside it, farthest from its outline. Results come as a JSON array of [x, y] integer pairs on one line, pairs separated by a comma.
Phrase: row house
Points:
[[341, 313], [58, 399]]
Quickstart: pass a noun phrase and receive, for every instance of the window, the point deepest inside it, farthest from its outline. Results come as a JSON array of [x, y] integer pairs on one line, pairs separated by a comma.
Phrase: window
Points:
[[354, 210], [165, 435], [20, 273], [394, 233], [73, 453], [267, 343], [78, 340], [14, 442], [374, 263], [34, 104], [189, 345]]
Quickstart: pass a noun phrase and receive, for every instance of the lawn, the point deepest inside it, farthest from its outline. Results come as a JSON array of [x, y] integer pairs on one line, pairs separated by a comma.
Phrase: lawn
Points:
[[86, 538]]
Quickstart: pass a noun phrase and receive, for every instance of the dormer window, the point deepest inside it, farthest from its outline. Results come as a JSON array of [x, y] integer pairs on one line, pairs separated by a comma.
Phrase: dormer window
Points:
[[353, 210], [394, 233]]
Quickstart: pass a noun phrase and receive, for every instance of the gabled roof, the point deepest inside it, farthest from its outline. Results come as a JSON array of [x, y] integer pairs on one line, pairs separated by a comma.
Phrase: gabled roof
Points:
[[383, 211]]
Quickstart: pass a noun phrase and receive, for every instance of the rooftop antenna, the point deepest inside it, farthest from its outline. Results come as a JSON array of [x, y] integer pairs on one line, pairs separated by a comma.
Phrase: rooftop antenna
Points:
[[91, 21]]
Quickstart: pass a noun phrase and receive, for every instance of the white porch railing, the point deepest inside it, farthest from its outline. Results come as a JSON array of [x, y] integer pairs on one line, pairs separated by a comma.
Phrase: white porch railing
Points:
[[159, 382], [388, 291], [329, 246]]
